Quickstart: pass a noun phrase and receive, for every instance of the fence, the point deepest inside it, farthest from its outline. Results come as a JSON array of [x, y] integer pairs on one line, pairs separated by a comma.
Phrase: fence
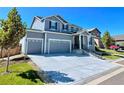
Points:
[[14, 51]]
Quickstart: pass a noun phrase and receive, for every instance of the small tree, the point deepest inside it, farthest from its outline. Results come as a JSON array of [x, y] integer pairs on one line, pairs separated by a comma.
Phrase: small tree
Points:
[[107, 39], [13, 31], [1, 42]]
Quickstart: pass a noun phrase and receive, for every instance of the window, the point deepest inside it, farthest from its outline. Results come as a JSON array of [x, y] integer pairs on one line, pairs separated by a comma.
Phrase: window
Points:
[[91, 41], [65, 27], [53, 25], [72, 29], [77, 29]]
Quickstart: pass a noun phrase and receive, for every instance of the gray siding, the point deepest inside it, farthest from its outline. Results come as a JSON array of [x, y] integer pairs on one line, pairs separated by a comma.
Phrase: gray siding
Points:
[[53, 18], [34, 35], [47, 26]]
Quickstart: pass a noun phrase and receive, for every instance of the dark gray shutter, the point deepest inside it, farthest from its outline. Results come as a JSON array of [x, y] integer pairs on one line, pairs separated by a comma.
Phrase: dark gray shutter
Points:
[[62, 26], [67, 27], [56, 25], [49, 24]]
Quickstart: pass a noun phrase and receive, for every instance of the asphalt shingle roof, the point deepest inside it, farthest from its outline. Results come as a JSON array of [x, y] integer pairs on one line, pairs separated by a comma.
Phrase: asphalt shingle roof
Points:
[[118, 37]]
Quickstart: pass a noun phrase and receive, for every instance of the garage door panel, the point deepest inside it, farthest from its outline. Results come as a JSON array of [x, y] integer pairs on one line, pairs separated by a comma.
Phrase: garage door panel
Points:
[[59, 46], [34, 47]]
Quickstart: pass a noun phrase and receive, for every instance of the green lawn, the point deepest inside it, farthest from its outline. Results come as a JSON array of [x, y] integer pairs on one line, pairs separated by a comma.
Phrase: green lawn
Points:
[[111, 57], [21, 74], [112, 51], [113, 54]]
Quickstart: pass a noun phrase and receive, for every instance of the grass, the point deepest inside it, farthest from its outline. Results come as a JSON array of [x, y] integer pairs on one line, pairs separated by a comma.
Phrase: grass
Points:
[[112, 54], [112, 57], [112, 51], [22, 74]]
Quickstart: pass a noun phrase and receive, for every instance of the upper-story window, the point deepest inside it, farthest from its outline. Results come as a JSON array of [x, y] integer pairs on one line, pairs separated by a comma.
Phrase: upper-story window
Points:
[[72, 29], [53, 25], [65, 27], [77, 29]]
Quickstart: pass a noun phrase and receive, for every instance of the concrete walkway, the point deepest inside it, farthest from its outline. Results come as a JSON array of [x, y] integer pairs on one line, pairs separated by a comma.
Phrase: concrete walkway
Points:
[[114, 78], [71, 68], [13, 57], [117, 79]]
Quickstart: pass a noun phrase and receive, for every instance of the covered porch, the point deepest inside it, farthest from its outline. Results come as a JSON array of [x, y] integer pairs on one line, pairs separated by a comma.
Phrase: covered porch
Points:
[[83, 41]]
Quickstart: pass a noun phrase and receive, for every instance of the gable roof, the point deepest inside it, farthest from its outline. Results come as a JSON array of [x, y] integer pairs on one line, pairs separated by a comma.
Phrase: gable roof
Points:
[[58, 17], [36, 17], [118, 37], [93, 29]]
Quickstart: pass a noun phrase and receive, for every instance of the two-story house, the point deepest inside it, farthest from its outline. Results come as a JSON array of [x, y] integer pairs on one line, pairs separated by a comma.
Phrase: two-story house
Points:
[[53, 34]]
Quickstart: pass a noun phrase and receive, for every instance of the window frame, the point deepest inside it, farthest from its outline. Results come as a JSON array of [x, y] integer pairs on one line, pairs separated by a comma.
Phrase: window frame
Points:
[[53, 25]]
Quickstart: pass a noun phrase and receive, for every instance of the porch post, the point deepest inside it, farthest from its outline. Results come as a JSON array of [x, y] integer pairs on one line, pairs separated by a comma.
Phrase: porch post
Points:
[[45, 43], [80, 41], [73, 42]]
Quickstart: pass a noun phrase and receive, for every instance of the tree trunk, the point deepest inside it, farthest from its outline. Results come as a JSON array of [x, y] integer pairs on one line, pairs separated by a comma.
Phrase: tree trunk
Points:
[[1, 52], [8, 61]]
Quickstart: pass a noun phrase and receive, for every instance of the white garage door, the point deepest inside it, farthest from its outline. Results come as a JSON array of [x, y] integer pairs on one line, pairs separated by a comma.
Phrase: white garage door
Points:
[[34, 46], [59, 46]]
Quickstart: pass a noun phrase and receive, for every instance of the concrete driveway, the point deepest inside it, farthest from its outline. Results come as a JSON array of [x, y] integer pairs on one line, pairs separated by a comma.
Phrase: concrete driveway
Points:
[[71, 68]]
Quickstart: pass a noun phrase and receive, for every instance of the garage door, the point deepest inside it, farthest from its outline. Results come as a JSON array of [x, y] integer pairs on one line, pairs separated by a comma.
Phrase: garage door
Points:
[[59, 46], [35, 46]]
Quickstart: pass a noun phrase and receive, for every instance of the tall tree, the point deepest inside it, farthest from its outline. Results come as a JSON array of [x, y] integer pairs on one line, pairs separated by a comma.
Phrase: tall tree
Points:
[[13, 31], [107, 39]]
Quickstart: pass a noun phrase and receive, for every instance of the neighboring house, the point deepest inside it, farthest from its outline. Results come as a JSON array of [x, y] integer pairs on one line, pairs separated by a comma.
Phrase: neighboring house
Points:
[[97, 38], [119, 39], [53, 34]]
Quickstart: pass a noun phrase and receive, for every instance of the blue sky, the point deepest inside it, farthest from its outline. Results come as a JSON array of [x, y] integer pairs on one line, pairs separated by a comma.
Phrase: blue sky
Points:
[[111, 19]]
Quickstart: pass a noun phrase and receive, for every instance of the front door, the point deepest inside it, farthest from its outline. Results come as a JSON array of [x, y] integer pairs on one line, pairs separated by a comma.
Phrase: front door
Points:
[[76, 42], [85, 43]]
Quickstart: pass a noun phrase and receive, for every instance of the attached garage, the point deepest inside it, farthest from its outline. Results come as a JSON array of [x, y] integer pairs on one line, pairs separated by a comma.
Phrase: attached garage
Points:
[[34, 46], [59, 46]]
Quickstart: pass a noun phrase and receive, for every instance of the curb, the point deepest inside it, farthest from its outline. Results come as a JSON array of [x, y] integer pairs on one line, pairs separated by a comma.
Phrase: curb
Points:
[[91, 78]]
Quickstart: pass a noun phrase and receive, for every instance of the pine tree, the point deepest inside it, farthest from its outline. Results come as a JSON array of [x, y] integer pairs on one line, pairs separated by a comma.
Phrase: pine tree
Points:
[[14, 30], [107, 39]]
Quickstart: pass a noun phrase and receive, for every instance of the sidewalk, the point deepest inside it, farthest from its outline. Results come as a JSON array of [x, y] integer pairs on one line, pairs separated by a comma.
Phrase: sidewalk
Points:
[[114, 78], [13, 57]]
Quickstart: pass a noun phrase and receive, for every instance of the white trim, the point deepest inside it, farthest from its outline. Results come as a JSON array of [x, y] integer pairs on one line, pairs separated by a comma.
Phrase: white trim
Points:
[[37, 18], [61, 20], [35, 38], [80, 41], [59, 40], [73, 40], [57, 33], [35, 30], [25, 44], [56, 18], [43, 31], [41, 39], [45, 43]]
